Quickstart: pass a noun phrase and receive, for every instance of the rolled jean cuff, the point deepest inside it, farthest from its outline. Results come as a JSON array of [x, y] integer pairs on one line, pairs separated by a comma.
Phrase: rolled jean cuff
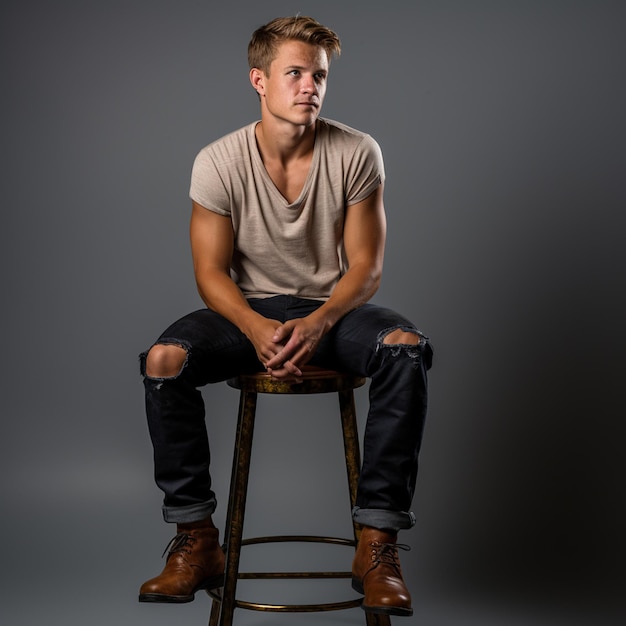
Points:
[[383, 520], [189, 513]]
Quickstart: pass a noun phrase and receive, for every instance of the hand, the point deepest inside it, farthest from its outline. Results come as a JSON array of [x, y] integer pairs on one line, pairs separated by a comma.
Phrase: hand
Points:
[[262, 334], [296, 341]]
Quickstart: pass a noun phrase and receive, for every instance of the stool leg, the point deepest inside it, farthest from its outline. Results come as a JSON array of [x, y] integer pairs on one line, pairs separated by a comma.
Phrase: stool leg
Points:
[[237, 503], [215, 613], [353, 465], [350, 445]]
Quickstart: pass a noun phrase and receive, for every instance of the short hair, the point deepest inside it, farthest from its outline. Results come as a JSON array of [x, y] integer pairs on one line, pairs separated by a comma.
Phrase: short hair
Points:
[[263, 46]]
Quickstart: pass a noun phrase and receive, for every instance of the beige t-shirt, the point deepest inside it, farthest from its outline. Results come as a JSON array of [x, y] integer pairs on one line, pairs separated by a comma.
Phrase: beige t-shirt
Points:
[[281, 248]]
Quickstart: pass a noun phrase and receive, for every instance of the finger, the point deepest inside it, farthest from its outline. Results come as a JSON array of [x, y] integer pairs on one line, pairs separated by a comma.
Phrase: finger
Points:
[[287, 365], [278, 360], [282, 332], [270, 352], [283, 366], [283, 374], [303, 355], [292, 368]]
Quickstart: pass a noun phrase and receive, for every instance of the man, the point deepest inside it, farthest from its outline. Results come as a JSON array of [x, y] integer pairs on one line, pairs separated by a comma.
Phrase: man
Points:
[[287, 236]]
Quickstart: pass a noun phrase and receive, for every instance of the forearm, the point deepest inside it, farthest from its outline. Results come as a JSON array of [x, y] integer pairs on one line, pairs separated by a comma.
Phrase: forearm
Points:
[[220, 294], [364, 243], [354, 288]]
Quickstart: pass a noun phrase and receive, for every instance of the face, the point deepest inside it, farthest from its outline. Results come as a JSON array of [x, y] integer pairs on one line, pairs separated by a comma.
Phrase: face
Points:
[[294, 90]]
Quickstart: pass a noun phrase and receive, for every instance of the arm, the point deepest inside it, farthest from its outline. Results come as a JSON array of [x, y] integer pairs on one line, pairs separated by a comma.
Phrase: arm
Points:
[[212, 244], [364, 242]]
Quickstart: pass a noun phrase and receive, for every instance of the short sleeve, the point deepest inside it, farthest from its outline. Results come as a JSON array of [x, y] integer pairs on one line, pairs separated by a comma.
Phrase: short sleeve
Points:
[[366, 170], [207, 186]]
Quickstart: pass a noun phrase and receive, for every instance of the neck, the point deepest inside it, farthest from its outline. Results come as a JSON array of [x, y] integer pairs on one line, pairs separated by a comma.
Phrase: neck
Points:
[[285, 142]]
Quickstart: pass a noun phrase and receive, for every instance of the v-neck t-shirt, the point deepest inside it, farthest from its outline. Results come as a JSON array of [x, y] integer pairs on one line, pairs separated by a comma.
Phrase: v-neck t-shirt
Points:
[[283, 248]]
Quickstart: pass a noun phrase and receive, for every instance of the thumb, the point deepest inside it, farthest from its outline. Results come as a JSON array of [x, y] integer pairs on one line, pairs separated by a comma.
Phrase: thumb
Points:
[[281, 333]]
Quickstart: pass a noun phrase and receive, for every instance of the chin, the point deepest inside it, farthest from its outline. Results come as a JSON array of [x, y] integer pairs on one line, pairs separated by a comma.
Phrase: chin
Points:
[[309, 120]]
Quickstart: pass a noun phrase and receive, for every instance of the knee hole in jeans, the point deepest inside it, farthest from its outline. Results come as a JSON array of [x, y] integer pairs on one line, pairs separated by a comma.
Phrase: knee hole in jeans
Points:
[[165, 361], [399, 336]]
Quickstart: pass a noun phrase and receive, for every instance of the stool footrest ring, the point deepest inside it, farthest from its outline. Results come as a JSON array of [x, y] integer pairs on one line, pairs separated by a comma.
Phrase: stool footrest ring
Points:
[[216, 594], [299, 539], [293, 575]]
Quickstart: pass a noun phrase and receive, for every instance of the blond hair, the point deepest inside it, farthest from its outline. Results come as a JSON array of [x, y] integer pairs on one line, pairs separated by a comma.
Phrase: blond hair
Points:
[[263, 46]]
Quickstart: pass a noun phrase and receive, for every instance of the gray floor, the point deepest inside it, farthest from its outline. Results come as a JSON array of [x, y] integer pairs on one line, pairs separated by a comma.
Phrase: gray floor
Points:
[[81, 562], [82, 530]]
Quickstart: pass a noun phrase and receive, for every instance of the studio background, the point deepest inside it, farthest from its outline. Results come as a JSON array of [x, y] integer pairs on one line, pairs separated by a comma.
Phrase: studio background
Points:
[[502, 127]]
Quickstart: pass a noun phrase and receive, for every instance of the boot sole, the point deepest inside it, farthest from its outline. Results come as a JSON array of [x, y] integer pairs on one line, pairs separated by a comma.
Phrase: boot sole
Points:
[[210, 583], [399, 611], [159, 597], [388, 610]]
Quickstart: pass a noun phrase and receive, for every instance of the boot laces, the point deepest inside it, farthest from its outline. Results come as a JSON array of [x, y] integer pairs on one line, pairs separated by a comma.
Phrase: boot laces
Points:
[[387, 553], [180, 543]]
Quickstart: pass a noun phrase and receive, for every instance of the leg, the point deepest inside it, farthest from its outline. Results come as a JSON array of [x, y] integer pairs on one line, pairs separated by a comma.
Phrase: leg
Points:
[[377, 343], [200, 348], [393, 434], [353, 463]]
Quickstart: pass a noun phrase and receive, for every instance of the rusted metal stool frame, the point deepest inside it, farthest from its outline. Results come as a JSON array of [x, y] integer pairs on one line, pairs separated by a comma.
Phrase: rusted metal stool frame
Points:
[[314, 381]]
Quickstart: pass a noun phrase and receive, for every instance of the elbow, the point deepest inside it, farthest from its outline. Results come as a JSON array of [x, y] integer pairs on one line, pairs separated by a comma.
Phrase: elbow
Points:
[[375, 275], [376, 280]]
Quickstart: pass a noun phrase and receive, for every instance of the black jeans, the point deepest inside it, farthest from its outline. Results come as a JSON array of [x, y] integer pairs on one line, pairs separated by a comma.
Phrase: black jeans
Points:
[[217, 350]]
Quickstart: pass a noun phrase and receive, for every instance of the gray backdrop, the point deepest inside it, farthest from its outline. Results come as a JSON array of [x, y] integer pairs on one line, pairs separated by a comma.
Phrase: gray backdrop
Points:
[[502, 126]]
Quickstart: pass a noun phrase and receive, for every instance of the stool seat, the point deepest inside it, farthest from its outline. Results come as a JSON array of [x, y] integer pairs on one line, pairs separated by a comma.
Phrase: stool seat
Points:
[[314, 380]]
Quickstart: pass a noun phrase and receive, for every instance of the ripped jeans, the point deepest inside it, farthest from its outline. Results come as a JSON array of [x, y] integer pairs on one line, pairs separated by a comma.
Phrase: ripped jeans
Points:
[[217, 350]]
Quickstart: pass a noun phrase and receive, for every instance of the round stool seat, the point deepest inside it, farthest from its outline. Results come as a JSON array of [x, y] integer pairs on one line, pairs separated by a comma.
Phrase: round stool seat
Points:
[[314, 380]]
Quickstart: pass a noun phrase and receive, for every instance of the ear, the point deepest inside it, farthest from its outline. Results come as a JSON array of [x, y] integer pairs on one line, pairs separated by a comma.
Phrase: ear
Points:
[[257, 78]]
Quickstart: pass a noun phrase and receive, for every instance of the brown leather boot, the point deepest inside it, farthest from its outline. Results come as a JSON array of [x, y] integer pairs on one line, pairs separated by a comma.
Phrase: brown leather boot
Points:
[[195, 560], [376, 573]]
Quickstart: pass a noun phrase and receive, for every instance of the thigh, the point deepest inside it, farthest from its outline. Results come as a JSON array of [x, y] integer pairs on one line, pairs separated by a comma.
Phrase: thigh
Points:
[[216, 348], [354, 342]]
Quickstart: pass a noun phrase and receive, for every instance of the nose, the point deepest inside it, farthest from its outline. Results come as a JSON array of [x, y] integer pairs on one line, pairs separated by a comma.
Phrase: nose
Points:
[[308, 85]]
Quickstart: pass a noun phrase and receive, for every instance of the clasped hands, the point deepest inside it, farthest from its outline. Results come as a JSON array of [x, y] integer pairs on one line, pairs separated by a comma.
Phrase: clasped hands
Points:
[[284, 348]]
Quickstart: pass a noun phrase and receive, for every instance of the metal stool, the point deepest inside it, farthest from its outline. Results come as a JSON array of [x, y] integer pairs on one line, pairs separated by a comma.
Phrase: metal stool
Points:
[[314, 381]]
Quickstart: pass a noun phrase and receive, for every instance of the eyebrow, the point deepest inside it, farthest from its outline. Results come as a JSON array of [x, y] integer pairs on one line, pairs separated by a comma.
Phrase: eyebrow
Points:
[[302, 67]]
